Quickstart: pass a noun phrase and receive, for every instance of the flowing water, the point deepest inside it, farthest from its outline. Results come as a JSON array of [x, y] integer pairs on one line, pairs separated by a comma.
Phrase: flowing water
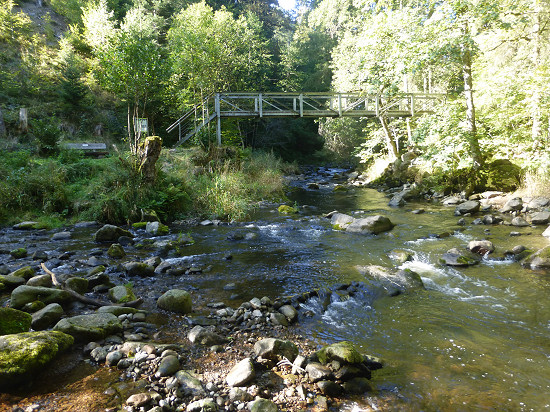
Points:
[[475, 338]]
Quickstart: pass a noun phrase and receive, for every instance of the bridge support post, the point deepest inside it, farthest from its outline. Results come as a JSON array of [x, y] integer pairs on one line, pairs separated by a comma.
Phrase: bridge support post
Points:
[[218, 119]]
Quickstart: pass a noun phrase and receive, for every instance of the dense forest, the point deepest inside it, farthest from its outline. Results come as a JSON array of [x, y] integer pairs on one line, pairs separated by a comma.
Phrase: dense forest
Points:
[[84, 69]]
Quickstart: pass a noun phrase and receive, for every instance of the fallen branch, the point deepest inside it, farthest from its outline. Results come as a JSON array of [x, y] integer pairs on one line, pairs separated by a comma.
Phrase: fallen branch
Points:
[[87, 300]]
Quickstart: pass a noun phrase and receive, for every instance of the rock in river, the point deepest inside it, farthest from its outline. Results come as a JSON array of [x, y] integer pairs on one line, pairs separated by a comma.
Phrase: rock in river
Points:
[[175, 300], [23, 353], [110, 233], [241, 374], [92, 327], [471, 206], [22, 295], [454, 257], [370, 225], [14, 321]]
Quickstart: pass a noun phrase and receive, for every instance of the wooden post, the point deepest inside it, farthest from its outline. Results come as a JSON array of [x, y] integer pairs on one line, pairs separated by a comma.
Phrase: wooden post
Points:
[[412, 104], [23, 119], [340, 104], [301, 97], [261, 106], [219, 119]]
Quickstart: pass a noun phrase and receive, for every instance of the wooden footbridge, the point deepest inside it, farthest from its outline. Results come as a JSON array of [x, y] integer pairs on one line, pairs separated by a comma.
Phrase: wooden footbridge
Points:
[[259, 105]]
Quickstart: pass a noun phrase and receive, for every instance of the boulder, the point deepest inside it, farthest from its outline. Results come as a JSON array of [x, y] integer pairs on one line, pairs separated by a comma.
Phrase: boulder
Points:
[[344, 352], [276, 349], [61, 236], [25, 272], [470, 206], [518, 221], [175, 300], [317, 372], [116, 251], [139, 269], [168, 366], [263, 405], [454, 257], [156, 229], [241, 374], [202, 336], [370, 225], [290, 312], [357, 386], [121, 294], [47, 316], [110, 233], [19, 253], [189, 384], [24, 294], [24, 353], [546, 232], [11, 282], [203, 405], [340, 221], [540, 218], [40, 280], [287, 210], [538, 203], [14, 321], [28, 225], [481, 247], [400, 256], [401, 279], [512, 205], [330, 388], [92, 327], [538, 260], [77, 284]]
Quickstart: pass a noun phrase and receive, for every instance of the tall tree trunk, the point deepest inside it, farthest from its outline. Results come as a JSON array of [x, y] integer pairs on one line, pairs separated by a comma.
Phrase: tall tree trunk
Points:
[[3, 131], [536, 129], [473, 141], [390, 141]]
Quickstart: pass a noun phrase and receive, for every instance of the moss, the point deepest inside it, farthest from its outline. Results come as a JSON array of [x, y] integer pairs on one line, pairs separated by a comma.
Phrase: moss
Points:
[[19, 253], [14, 321], [139, 225], [26, 272], [341, 351], [287, 210]]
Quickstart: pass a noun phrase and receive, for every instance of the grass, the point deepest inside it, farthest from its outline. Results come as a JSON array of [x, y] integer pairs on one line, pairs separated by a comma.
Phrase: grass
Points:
[[221, 183]]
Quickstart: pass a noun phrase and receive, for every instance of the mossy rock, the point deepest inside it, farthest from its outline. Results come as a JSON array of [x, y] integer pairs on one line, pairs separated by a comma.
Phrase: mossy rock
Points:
[[503, 175], [14, 321], [116, 251], [19, 253], [121, 294], [287, 210], [24, 294], [28, 226], [341, 351], [175, 300], [25, 272], [24, 353], [139, 225], [77, 284], [340, 188], [92, 327]]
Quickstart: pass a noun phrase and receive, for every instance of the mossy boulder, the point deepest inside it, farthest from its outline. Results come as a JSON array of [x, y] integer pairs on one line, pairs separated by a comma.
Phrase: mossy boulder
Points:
[[77, 284], [116, 251], [139, 269], [370, 225], [287, 210], [11, 282], [538, 260], [276, 349], [19, 253], [24, 353], [139, 225], [29, 225], [25, 272], [111, 233], [503, 175], [176, 300], [24, 294], [47, 316], [157, 229], [121, 294], [454, 257], [92, 327], [342, 352], [14, 321]]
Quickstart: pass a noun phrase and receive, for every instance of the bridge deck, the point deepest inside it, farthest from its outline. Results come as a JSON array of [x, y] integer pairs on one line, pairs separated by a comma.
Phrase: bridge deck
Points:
[[259, 105]]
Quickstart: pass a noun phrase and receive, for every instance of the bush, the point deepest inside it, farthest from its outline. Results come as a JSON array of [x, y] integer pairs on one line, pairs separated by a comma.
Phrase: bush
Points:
[[47, 133]]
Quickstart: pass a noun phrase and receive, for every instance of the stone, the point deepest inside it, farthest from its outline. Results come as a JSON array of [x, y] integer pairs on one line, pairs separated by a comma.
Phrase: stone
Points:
[[62, 236], [112, 358], [276, 349], [175, 300], [28, 225], [401, 280], [481, 247], [538, 203], [370, 225], [540, 218], [11, 282], [519, 222], [92, 327], [117, 310], [47, 316], [24, 353], [470, 206], [278, 319], [156, 229], [357, 386], [168, 366], [19, 253], [330, 388], [77, 284], [347, 372], [397, 200], [138, 400], [24, 294], [290, 312], [121, 294], [512, 205], [287, 210], [189, 383], [538, 260], [342, 352], [340, 221], [26, 272], [139, 269], [454, 257], [110, 233], [263, 405], [241, 374], [44, 281], [202, 336], [14, 321], [546, 232], [203, 405], [400, 256], [317, 372], [116, 251]]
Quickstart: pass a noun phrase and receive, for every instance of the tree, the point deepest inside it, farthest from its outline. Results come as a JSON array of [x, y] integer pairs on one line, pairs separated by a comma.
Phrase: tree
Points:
[[130, 65]]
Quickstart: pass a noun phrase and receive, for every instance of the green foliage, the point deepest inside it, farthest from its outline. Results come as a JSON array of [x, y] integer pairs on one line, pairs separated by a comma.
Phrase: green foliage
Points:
[[47, 132]]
